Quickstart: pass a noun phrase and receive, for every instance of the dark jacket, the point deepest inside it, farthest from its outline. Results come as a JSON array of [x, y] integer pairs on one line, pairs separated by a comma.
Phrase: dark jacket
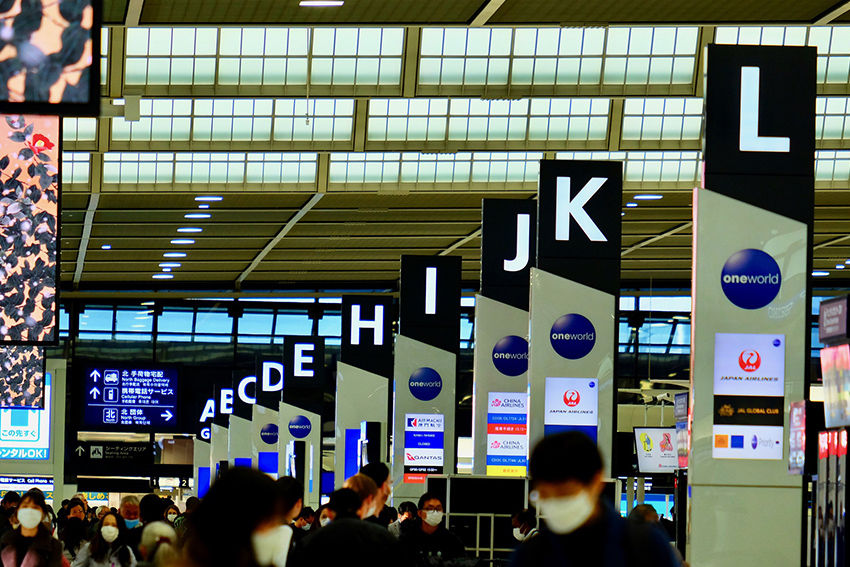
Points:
[[43, 550], [350, 541], [440, 546], [609, 541]]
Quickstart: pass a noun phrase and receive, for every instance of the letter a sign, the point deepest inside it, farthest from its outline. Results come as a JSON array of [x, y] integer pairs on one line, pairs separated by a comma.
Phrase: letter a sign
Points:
[[579, 205]]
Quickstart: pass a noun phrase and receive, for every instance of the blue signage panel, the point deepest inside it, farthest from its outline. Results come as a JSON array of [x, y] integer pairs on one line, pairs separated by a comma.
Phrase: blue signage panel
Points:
[[123, 398]]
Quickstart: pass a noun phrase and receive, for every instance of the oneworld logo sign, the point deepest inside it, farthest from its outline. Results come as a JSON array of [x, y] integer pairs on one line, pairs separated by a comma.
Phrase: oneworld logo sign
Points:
[[269, 433], [510, 355], [751, 278], [425, 384], [300, 427], [573, 336]]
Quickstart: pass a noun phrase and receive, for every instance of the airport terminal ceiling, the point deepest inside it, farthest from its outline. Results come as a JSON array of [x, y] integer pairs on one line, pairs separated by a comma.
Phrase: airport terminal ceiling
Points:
[[325, 143]]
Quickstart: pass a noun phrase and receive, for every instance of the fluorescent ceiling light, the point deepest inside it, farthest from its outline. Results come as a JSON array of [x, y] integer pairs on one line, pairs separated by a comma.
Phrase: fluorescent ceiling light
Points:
[[209, 198], [820, 273], [118, 102], [321, 3], [182, 241], [190, 229], [647, 197], [631, 205], [106, 247], [169, 265], [197, 216], [839, 266], [173, 254], [162, 276], [166, 269], [203, 206]]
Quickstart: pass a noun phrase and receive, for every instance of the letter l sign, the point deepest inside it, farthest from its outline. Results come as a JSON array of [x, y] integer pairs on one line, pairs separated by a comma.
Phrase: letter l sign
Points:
[[749, 139]]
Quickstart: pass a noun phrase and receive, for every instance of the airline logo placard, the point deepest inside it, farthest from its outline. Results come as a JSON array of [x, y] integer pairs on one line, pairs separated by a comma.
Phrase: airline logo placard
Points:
[[747, 442], [749, 364], [424, 441], [507, 433], [571, 401]]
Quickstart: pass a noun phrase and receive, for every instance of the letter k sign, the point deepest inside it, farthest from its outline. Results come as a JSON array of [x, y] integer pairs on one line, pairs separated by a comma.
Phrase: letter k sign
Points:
[[566, 208]]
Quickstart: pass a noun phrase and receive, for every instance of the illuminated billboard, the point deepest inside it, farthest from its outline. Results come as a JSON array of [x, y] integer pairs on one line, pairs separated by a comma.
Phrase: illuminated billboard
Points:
[[21, 377]]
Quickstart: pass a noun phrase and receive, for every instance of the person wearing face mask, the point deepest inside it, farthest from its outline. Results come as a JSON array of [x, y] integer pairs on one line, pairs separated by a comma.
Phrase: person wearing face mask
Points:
[[406, 511], [171, 513], [579, 529], [7, 509], [74, 534], [254, 537], [524, 525], [30, 543], [380, 475], [107, 547], [426, 537], [368, 492], [323, 516], [306, 519], [347, 539]]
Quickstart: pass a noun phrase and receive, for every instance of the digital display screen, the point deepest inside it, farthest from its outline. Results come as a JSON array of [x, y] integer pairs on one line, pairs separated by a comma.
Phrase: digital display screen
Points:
[[128, 398], [25, 433], [50, 56], [29, 208], [424, 443], [572, 404], [21, 377], [657, 449], [507, 433], [835, 370]]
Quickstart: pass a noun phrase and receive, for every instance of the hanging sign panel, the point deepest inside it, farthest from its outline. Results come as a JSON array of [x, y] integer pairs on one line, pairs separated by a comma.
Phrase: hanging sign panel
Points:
[[124, 398]]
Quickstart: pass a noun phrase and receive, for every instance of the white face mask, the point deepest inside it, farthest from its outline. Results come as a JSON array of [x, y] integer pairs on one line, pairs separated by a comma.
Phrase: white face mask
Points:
[[566, 514], [171, 517], [518, 535], [268, 545], [306, 527], [433, 517], [324, 522], [109, 533], [29, 517]]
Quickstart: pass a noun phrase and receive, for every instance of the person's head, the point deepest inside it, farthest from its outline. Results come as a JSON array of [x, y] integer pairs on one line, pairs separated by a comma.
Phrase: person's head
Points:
[[65, 504], [82, 498], [388, 515], [306, 518], [129, 511], [192, 503], [10, 500], [344, 503], [111, 532], [323, 516], [254, 537], [76, 509], [566, 474], [291, 494], [158, 545], [643, 514], [73, 530], [102, 511], [367, 490], [431, 511], [523, 522], [380, 475], [33, 512], [150, 508], [170, 514], [407, 510]]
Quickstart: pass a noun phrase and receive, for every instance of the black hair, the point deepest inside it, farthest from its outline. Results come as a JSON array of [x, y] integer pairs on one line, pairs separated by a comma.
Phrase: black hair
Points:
[[74, 502], [431, 496], [641, 513], [11, 497], [36, 496], [388, 515], [211, 541], [527, 517], [344, 503], [379, 472], [150, 508], [72, 533], [192, 503], [306, 512], [100, 548], [290, 491], [562, 457], [406, 507]]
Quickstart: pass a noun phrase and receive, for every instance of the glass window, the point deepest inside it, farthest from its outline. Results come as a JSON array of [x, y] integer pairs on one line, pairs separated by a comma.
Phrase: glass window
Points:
[[135, 320], [176, 320], [330, 325], [96, 319], [256, 323], [293, 324], [213, 321]]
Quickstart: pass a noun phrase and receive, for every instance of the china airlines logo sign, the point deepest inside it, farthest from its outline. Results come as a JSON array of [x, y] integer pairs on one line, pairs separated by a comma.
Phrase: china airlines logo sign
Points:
[[572, 398], [496, 403], [749, 360]]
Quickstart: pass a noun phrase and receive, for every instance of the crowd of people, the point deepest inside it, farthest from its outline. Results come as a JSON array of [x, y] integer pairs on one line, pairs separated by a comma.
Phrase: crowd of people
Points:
[[247, 519]]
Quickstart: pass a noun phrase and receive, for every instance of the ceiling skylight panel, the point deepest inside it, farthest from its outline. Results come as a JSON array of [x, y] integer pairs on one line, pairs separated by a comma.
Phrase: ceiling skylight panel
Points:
[[104, 54], [456, 56], [79, 129], [263, 56], [280, 167], [170, 56], [407, 119], [515, 167], [832, 165], [217, 167], [369, 167], [435, 168], [76, 167], [568, 119], [831, 120], [135, 167], [316, 119], [662, 119], [645, 55], [232, 119], [347, 56], [160, 120], [475, 119]]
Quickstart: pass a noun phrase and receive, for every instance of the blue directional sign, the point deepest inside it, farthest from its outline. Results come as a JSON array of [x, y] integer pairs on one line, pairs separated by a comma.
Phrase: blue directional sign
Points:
[[126, 398]]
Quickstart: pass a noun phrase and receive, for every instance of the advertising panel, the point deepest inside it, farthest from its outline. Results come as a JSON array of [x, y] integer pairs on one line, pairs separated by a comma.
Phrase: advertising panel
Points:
[[835, 369], [657, 450], [123, 398], [25, 433], [22, 377], [571, 405], [507, 434], [797, 438], [747, 442], [682, 437], [424, 444], [748, 364]]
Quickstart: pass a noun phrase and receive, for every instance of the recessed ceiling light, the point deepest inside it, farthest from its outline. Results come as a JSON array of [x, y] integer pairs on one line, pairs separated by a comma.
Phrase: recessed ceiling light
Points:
[[820, 273], [190, 229], [208, 198], [166, 269], [182, 241], [146, 303], [106, 247], [631, 205], [197, 216], [622, 213], [839, 266], [169, 265], [173, 254], [647, 197], [321, 3], [203, 206], [118, 102], [162, 276]]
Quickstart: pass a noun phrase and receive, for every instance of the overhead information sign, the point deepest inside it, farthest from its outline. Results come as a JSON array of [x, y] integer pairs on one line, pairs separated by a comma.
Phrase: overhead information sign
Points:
[[127, 398]]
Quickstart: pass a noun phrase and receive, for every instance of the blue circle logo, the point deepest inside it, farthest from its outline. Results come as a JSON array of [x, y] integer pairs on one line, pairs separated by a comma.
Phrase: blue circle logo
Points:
[[573, 336], [510, 355], [751, 278], [300, 427], [269, 433], [425, 384]]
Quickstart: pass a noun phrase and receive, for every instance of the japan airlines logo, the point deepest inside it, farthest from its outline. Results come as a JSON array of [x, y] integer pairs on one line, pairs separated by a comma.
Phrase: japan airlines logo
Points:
[[749, 360], [572, 398]]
